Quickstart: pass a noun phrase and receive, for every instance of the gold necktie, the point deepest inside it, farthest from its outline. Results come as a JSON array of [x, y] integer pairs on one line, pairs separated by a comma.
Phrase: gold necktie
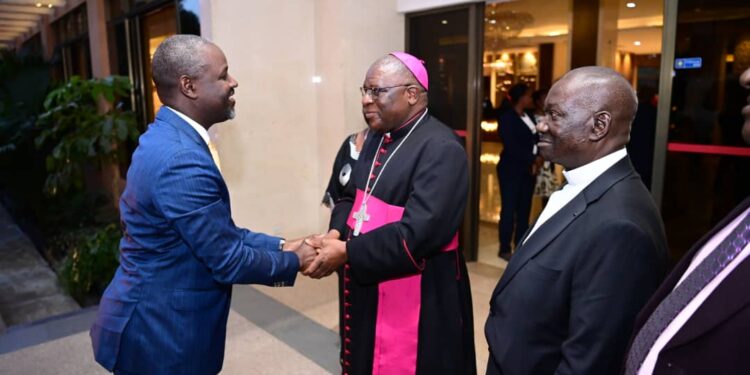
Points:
[[214, 154]]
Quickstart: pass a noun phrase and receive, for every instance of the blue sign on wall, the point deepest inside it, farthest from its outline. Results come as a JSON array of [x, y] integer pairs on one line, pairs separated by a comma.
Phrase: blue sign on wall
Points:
[[688, 63]]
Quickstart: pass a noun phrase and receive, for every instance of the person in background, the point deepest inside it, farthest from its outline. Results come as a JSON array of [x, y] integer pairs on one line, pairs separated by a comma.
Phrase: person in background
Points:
[[342, 167], [516, 170], [546, 179]]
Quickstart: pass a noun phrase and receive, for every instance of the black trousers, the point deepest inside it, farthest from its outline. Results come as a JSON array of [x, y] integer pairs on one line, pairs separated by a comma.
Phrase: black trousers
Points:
[[516, 191]]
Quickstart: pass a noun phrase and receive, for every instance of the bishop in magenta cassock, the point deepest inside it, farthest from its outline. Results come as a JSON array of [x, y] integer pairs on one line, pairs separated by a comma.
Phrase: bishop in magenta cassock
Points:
[[405, 302]]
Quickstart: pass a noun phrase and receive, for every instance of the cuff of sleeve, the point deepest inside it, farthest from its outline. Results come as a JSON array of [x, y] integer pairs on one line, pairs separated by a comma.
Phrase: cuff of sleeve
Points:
[[289, 277], [272, 243]]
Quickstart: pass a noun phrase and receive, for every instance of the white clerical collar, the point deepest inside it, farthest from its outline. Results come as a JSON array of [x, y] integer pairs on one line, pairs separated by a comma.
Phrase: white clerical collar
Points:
[[201, 130], [587, 173]]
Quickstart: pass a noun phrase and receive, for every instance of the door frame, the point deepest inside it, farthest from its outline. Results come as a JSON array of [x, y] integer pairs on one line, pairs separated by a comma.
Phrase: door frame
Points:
[[469, 231], [663, 111]]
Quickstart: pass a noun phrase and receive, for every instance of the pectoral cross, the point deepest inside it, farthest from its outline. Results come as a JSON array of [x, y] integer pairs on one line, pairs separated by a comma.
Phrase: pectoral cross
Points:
[[360, 217]]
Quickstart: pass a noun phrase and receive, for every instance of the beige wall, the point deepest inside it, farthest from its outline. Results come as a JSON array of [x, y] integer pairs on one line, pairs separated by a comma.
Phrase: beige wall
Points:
[[277, 154]]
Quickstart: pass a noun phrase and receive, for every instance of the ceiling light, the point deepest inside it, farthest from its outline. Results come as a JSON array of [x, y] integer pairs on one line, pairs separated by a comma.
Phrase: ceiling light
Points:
[[49, 6], [444, 22], [317, 79], [630, 5], [38, 5], [637, 43]]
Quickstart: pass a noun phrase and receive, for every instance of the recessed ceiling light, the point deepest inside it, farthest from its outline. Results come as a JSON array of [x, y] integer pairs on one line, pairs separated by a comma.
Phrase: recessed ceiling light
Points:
[[49, 5], [637, 43], [444, 22], [38, 5], [630, 5]]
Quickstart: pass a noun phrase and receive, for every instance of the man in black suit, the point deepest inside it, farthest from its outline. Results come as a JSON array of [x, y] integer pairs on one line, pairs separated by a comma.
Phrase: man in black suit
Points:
[[698, 322], [568, 299]]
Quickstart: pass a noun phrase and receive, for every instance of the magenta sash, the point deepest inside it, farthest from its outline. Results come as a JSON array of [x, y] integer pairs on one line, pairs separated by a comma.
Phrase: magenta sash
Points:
[[399, 300]]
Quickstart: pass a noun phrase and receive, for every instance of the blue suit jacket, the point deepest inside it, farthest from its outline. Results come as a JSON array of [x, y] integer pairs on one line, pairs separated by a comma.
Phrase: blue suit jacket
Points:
[[166, 309]]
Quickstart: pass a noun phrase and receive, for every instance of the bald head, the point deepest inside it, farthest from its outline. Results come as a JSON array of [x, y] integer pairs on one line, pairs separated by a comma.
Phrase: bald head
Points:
[[588, 116], [176, 56], [603, 89]]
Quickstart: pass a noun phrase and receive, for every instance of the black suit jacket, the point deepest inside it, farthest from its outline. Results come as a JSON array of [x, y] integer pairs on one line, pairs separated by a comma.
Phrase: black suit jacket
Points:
[[716, 339], [567, 301], [518, 143]]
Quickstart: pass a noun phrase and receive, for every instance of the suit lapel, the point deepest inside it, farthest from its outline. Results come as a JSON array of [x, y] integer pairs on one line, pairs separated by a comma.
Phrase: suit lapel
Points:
[[674, 276], [556, 224], [170, 118], [728, 297], [543, 236]]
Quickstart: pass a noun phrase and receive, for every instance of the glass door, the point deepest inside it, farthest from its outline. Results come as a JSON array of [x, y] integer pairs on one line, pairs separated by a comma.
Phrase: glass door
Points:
[[449, 41], [707, 165]]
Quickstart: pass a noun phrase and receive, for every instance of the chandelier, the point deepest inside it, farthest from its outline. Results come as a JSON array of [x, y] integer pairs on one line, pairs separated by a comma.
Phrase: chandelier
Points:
[[501, 26]]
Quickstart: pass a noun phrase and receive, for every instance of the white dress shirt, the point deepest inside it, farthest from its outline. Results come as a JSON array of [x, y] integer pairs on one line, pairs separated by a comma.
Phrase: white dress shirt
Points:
[[577, 180], [649, 363], [530, 124]]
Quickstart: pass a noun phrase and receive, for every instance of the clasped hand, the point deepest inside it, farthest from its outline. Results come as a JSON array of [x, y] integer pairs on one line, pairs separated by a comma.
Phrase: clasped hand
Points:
[[320, 254]]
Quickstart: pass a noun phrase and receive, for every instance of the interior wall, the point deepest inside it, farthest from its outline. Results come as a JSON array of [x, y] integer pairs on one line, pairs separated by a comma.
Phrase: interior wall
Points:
[[266, 151], [349, 37], [277, 153]]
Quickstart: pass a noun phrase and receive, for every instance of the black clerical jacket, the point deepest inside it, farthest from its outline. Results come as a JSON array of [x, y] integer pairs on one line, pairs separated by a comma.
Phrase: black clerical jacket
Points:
[[428, 177]]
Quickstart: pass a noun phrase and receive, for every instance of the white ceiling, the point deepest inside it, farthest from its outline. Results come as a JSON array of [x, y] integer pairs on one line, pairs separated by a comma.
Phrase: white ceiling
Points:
[[20, 18]]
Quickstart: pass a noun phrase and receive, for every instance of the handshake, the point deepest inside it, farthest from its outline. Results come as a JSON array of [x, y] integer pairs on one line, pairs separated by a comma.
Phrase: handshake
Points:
[[319, 254]]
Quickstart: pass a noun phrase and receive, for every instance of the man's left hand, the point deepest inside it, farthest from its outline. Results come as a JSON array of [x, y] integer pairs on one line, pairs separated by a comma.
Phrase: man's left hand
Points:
[[331, 255]]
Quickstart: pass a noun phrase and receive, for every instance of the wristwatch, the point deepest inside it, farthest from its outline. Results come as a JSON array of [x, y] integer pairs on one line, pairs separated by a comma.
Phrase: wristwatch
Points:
[[282, 242]]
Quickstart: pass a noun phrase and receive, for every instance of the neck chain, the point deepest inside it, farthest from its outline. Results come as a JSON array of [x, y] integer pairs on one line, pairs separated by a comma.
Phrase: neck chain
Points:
[[361, 215]]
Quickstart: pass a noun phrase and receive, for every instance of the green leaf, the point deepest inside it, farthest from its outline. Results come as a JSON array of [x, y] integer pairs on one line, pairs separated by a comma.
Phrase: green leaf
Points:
[[122, 130], [107, 126], [105, 145], [96, 91], [57, 151], [108, 93]]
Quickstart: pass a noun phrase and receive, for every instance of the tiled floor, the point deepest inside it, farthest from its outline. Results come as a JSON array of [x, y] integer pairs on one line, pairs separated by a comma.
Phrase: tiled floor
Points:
[[270, 331]]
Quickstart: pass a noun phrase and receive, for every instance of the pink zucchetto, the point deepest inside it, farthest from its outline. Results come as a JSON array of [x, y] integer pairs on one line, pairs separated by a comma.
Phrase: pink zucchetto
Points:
[[415, 66]]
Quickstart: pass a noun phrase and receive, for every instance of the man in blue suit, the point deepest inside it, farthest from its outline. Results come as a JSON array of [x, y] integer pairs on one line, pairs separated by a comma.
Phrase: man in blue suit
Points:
[[165, 311]]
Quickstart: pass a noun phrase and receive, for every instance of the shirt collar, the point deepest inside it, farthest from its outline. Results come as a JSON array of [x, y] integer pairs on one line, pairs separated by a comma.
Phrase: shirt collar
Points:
[[404, 129], [198, 128], [587, 173]]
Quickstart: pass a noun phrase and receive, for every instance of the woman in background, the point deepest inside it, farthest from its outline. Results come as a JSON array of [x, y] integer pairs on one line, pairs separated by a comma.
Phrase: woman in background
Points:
[[343, 166], [516, 170]]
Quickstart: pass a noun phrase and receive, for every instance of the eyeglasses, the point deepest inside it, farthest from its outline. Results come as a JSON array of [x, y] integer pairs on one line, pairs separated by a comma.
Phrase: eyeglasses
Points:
[[374, 92]]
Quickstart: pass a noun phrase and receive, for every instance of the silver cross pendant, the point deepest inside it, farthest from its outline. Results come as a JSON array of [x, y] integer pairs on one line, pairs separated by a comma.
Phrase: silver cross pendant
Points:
[[360, 217]]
